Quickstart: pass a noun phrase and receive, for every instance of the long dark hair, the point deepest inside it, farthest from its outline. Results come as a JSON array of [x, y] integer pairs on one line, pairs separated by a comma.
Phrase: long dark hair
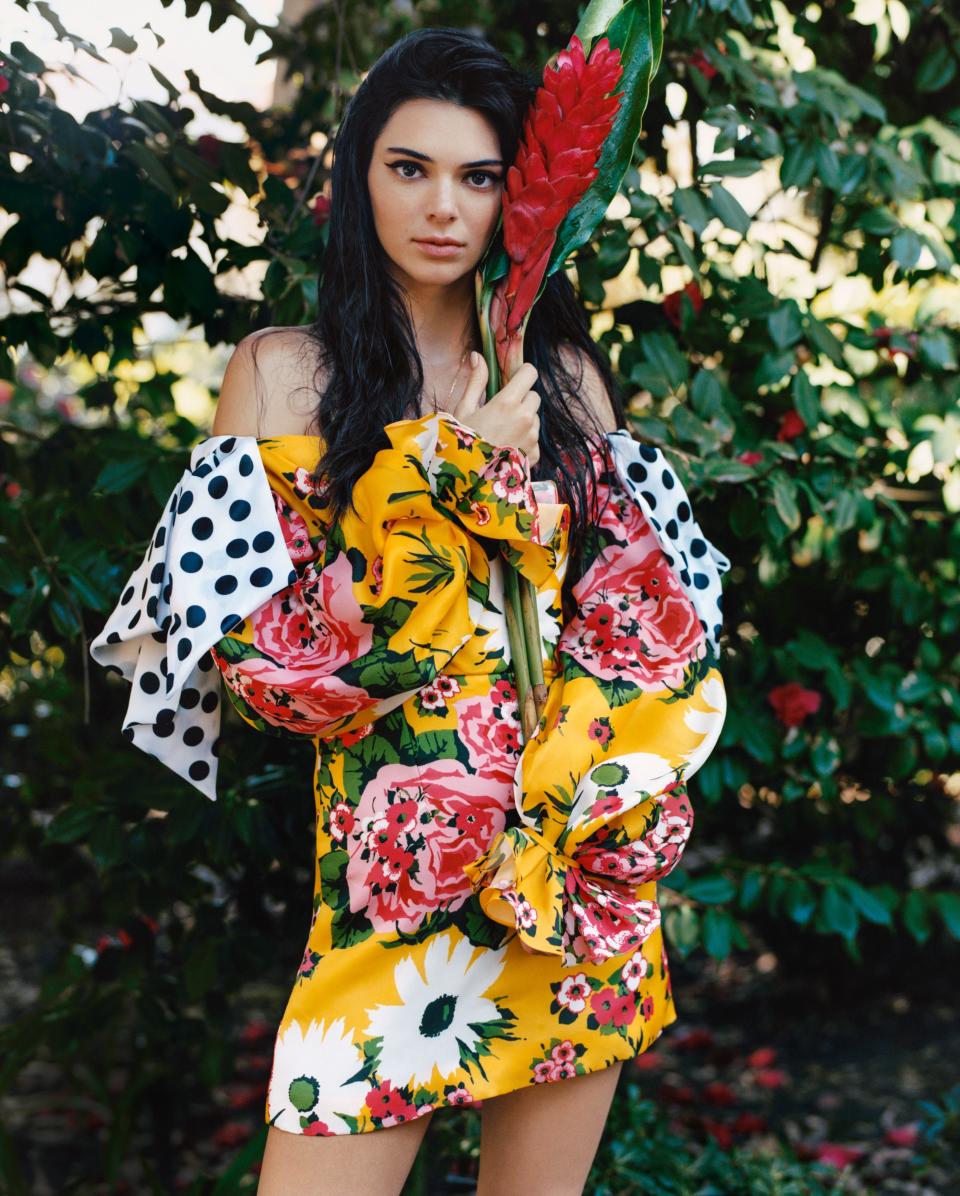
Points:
[[368, 352]]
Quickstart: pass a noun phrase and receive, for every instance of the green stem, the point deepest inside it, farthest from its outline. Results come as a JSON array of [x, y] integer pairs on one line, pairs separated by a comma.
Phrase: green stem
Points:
[[520, 595], [534, 642], [518, 649]]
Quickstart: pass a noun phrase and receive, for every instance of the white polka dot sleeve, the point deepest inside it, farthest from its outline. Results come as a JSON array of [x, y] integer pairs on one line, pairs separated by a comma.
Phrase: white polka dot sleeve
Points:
[[698, 564], [216, 554]]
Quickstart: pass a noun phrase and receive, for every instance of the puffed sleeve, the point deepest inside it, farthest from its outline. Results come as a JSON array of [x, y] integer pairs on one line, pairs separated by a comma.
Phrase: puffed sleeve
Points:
[[635, 706], [390, 593], [364, 611], [216, 550]]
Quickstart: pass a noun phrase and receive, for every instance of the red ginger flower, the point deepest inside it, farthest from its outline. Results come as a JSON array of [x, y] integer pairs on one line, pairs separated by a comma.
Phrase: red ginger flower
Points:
[[563, 134]]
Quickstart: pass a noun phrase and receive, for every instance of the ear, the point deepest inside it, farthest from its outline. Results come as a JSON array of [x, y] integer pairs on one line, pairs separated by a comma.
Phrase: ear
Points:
[[592, 391]]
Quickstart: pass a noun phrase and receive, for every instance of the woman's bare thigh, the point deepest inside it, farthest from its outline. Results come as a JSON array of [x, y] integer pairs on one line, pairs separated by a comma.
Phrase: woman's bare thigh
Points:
[[374, 1163], [541, 1140]]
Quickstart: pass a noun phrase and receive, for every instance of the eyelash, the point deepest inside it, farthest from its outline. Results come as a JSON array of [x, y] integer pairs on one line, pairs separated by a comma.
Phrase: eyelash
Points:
[[407, 162]]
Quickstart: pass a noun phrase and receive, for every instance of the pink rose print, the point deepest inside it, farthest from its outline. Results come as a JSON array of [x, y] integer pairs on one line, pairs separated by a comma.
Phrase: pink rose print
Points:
[[416, 826], [489, 726], [449, 687], [610, 803], [465, 438], [634, 620], [295, 534], [307, 632]]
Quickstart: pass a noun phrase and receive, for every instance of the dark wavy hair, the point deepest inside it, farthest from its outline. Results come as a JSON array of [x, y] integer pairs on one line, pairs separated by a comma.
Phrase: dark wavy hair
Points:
[[364, 336]]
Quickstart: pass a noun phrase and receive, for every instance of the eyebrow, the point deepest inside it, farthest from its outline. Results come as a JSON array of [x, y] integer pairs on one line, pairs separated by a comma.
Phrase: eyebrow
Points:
[[400, 149]]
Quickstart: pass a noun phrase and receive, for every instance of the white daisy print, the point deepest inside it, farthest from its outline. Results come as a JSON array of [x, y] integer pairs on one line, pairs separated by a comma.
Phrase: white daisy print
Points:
[[311, 1070], [439, 1015]]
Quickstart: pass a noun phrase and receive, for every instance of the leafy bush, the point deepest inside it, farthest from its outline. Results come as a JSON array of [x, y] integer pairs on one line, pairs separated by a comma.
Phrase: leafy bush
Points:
[[781, 302]]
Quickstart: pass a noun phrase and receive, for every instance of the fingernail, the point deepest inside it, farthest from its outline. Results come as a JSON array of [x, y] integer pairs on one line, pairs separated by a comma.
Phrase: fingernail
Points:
[[474, 358]]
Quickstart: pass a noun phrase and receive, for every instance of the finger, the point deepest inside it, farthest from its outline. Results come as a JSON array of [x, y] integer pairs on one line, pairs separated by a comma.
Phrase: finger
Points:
[[520, 383], [476, 388]]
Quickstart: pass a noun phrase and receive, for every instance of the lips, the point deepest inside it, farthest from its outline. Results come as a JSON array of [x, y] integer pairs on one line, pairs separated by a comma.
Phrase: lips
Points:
[[438, 241]]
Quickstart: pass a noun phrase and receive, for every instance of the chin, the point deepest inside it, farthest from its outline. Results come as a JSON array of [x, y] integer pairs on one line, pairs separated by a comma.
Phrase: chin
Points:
[[438, 271]]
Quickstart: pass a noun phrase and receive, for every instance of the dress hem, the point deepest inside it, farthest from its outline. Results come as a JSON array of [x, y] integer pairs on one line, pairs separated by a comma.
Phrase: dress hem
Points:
[[443, 1104]]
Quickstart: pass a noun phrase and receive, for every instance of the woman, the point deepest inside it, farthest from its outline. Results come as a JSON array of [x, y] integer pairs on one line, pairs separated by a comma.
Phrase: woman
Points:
[[360, 603]]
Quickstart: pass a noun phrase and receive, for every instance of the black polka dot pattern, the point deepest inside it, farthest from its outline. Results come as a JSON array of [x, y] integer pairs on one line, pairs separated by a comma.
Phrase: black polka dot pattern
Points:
[[649, 479], [216, 555]]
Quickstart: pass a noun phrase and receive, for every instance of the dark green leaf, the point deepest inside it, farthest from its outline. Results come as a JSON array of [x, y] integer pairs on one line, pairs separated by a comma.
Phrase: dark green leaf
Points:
[[711, 890]]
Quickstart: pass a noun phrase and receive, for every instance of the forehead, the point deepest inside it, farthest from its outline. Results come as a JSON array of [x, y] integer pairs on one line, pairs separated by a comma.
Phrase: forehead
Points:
[[440, 128]]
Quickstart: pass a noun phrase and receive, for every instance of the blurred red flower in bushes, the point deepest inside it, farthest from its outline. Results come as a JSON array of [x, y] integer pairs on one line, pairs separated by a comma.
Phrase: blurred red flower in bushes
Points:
[[672, 302], [718, 1093], [699, 62], [770, 1077], [761, 1057], [791, 426], [320, 206], [792, 703], [208, 148]]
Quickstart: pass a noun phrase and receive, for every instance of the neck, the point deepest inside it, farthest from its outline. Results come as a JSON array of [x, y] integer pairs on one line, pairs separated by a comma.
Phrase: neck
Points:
[[442, 318]]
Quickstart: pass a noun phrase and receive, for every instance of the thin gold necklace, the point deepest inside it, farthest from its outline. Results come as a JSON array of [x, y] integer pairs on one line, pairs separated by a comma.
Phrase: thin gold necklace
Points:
[[453, 384]]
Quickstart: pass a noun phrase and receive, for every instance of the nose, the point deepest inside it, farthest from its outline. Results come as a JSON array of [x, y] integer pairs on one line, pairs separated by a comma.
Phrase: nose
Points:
[[443, 205]]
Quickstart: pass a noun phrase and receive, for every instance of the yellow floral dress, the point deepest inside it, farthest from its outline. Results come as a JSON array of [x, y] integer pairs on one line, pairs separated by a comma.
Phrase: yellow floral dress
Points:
[[485, 912]]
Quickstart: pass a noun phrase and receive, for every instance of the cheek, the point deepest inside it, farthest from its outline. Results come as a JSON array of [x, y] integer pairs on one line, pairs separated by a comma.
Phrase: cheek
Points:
[[393, 214]]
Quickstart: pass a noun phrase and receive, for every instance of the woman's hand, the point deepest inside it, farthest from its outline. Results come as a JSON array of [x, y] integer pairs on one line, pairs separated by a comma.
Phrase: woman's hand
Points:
[[510, 416]]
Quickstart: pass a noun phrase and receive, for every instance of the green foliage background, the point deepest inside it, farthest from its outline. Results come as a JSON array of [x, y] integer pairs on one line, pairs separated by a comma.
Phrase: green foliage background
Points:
[[836, 301]]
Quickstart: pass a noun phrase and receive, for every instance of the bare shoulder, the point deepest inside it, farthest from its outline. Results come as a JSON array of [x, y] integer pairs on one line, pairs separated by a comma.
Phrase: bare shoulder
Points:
[[271, 385], [590, 386]]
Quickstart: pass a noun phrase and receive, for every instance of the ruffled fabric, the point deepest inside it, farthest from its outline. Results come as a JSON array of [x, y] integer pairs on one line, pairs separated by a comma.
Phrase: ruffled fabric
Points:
[[635, 705], [385, 599], [317, 627], [320, 627], [215, 553]]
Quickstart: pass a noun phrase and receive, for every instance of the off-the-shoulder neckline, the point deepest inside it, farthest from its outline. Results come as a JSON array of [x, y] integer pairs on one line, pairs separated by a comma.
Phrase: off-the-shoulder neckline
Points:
[[288, 436], [317, 438]]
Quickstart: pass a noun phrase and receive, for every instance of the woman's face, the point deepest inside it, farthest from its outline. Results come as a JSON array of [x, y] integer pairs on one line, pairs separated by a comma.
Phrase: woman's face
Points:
[[435, 172]]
